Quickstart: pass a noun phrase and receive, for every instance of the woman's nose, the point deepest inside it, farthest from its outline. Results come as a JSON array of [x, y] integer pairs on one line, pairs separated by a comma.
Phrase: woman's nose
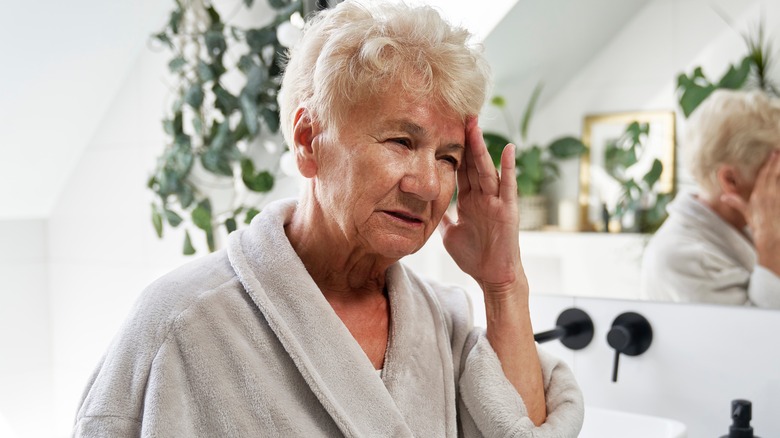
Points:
[[422, 179]]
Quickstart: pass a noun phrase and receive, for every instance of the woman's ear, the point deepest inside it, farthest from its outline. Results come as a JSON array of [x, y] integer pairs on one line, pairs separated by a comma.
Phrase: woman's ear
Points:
[[304, 133], [728, 179]]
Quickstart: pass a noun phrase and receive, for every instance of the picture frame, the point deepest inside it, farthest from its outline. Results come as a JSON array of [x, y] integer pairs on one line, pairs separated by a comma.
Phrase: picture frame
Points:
[[597, 188]]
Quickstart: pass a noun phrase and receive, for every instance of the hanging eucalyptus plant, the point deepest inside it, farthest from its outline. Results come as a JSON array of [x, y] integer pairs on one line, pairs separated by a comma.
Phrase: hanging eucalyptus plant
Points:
[[213, 125]]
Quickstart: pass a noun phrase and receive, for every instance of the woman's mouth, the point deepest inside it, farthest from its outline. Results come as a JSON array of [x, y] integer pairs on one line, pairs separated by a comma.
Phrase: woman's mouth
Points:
[[408, 218]]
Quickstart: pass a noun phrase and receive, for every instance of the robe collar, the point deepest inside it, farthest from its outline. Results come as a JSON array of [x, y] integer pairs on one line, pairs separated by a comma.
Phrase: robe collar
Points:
[[417, 396]]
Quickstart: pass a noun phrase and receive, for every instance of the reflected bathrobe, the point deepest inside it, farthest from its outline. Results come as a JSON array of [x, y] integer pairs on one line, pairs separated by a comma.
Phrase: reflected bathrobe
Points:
[[242, 343], [698, 257]]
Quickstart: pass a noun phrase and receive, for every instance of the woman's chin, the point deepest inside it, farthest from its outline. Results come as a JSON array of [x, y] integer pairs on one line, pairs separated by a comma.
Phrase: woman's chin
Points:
[[395, 247]]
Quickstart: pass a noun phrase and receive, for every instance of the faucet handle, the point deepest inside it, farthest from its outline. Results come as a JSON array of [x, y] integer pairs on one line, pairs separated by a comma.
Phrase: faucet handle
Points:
[[631, 334]]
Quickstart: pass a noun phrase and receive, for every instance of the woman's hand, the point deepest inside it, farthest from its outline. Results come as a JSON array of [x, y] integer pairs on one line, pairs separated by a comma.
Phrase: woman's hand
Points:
[[762, 213], [483, 240]]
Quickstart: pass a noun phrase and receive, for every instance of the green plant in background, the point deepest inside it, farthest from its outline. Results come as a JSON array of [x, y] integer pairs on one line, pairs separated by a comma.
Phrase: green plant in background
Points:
[[752, 71], [208, 123], [535, 165], [638, 198]]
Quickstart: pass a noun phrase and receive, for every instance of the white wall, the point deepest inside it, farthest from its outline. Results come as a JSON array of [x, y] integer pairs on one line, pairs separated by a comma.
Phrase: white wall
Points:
[[103, 249], [25, 337], [701, 358]]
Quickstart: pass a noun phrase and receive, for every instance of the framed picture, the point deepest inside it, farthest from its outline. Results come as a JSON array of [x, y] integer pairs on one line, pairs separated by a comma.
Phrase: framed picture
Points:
[[626, 151]]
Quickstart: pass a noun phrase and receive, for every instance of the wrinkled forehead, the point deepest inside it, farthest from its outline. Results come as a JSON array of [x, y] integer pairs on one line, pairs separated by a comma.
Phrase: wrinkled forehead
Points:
[[416, 115]]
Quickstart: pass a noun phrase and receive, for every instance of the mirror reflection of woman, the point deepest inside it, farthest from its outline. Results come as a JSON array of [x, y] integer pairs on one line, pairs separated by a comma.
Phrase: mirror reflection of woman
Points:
[[722, 245], [307, 324]]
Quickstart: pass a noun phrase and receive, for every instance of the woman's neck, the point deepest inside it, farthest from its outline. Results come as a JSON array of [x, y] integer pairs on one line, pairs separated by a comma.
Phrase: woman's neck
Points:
[[339, 266], [724, 211]]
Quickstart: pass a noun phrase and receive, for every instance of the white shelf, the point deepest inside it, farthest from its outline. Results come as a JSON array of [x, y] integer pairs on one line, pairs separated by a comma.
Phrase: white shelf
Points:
[[604, 265]]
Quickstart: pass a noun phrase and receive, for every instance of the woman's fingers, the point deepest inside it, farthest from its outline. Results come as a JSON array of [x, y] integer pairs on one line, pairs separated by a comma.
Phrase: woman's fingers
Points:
[[482, 172], [508, 189]]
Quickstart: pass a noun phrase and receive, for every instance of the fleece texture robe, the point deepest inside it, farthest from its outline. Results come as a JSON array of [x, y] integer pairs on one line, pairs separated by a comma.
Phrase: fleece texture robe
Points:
[[697, 257], [242, 343]]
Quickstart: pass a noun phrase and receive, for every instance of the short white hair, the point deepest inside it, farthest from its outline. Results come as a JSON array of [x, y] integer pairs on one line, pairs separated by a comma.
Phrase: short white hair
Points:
[[731, 127], [358, 51]]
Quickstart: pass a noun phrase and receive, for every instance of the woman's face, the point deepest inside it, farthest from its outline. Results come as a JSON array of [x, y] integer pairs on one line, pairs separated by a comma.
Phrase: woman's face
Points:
[[386, 179]]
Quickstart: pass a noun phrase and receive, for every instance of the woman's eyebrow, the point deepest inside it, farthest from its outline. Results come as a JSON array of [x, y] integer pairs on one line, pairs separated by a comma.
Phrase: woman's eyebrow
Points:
[[417, 130]]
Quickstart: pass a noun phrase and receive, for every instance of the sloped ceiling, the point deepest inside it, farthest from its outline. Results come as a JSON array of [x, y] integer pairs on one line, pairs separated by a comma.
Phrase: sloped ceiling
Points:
[[63, 62], [548, 41]]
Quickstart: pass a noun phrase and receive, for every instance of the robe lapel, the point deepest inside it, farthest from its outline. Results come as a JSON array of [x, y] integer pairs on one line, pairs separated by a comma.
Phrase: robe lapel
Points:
[[327, 356], [418, 366]]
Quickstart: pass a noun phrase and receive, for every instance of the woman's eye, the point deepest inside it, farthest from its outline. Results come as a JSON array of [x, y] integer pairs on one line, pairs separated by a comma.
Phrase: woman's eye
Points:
[[402, 141], [450, 159]]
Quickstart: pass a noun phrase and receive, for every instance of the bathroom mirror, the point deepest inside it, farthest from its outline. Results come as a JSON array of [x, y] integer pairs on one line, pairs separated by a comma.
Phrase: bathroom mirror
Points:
[[605, 57]]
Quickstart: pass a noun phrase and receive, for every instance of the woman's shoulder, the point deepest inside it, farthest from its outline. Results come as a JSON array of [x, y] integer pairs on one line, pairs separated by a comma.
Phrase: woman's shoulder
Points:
[[169, 297]]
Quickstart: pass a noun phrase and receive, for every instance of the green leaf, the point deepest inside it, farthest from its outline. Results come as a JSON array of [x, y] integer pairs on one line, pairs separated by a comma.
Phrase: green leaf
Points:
[[257, 39], [176, 64], [495, 145], [735, 78], [221, 137], [173, 219], [250, 214], [197, 124], [248, 3], [205, 73], [230, 224], [178, 122], [194, 96], [157, 221], [175, 20], [278, 4], [188, 248], [168, 127], [225, 101], [271, 118], [215, 43], [216, 161], [526, 186], [210, 240], [216, 20], [249, 111], [163, 38], [693, 96], [201, 215], [258, 182], [530, 163], [529, 112], [255, 81], [498, 101], [186, 197], [567, 147], [652, 176]]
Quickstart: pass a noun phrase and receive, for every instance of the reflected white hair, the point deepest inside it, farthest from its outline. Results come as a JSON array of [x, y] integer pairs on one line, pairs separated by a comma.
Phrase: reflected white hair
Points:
[[731, 127], [356, 52]]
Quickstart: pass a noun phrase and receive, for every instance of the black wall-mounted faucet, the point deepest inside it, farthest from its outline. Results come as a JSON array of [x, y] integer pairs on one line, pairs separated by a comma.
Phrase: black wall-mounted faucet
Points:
[[573, 327], [631, 334]]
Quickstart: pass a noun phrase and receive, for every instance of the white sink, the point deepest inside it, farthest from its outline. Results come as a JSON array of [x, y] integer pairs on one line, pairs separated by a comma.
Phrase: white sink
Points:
[[607, 423]]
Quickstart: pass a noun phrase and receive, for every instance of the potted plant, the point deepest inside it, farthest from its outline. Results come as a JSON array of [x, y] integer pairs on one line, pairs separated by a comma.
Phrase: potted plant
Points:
[[640, 207], [535, 165], [223, 148]]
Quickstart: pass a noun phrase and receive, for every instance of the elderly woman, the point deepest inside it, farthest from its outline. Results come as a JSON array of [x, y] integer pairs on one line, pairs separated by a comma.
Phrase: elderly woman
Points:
[[722, 245], [307, 324]]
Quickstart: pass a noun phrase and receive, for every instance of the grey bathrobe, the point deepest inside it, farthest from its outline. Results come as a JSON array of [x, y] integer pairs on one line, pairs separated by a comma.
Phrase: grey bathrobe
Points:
[[242, 343]]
